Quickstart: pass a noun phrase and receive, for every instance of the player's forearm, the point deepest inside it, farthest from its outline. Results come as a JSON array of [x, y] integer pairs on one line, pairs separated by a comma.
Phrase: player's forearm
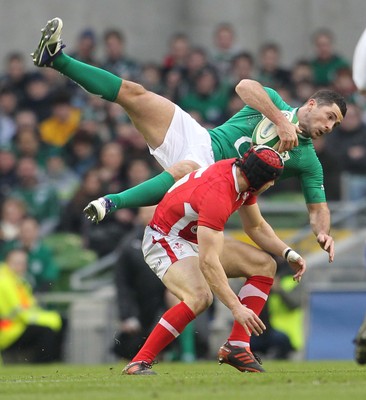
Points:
[[265, 237], [215, 277], [253, 94], [319, 216]]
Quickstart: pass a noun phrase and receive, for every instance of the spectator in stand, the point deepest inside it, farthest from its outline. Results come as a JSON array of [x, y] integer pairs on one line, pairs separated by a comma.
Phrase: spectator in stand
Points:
[[63, 122], [151, 77], [242, 67], [81, 153], [8, 176], [105, 237], [58, 82], [301, 71], [208, 97], [270, 71], [111, 165], [352, 153], [40, 198], [26, 119], [16, 75], [24, 325], [135, 147], [224, 48], [235, 105], [42, 269], [138, 170], [179, 49], [61, 177], [343, 83], [326, 61], [301, 91], [13, 212], [94, 120], [71, 215], [116, 60], [175, 87], [140, 294], [38, 96], [85, 48], [332, 168], [7, 125], [285, 311], [27, 143], [8, 102], [196, 61]]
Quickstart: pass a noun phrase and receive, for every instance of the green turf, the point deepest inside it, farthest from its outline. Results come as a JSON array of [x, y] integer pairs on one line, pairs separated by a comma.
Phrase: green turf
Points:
[[282, 381]]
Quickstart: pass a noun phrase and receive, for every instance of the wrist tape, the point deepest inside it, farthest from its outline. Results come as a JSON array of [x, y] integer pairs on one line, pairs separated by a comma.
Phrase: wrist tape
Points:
[[290, 255]]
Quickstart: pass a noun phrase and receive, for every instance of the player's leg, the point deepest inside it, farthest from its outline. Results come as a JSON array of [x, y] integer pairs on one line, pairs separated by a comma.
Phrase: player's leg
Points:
[[243, 260], [149, 112], [360, 342], [185, 280], [175, 262], [145, 194]]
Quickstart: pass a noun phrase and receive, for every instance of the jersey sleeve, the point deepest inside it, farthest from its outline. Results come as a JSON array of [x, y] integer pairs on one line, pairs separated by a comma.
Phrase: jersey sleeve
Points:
[[277, 99], [216, 206], [250, 200], [312, 180]]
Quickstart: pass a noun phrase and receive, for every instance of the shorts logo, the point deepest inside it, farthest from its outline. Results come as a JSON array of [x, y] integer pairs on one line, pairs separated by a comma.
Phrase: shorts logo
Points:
[[194, 229], [178, 249]]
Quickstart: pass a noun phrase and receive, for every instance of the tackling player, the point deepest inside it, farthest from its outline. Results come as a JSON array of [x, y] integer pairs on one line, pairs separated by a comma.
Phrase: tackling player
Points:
[[181, 145], [183, 245]]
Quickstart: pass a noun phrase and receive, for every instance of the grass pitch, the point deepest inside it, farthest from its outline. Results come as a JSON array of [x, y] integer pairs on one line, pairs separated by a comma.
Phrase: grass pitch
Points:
[[333, 380]]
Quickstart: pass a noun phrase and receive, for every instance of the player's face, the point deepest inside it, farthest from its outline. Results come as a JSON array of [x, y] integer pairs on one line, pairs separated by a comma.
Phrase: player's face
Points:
[[264, 188], [319, 120]]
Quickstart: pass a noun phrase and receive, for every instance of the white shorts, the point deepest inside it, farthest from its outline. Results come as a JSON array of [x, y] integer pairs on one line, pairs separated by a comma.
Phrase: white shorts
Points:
[[186, 139], [359, 62], [162, 251]]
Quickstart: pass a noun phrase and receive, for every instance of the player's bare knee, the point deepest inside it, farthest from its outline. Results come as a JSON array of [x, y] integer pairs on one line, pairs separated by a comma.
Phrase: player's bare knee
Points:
[[202, 299], [269, 266], [130, 91], [181, 168]]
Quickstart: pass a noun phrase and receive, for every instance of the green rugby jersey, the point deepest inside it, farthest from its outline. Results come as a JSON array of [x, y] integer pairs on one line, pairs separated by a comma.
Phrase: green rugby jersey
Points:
[[233, 138]]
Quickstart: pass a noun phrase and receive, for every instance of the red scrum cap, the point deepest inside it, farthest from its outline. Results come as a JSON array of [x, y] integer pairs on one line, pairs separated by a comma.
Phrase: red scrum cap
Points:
[[260, 165]]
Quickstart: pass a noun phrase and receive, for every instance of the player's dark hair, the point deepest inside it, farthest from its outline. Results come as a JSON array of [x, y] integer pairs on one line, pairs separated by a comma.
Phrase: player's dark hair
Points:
[[260, 165], [327, 97]]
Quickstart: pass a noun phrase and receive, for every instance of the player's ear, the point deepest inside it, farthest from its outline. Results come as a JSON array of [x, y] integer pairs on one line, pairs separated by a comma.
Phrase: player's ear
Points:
[[311, 103]]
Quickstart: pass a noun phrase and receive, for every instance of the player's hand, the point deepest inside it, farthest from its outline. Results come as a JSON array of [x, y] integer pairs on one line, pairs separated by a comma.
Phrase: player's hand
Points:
[[91, 213], [249, 320], [299, 267], [287, 133], [326, 242]]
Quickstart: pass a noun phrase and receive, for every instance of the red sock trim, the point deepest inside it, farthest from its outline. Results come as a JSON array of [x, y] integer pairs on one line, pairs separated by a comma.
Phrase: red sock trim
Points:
[[254, 302], [171, 324]]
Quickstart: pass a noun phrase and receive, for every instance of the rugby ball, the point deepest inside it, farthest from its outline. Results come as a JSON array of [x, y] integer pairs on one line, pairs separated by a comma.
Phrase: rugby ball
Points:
[[266, 133]]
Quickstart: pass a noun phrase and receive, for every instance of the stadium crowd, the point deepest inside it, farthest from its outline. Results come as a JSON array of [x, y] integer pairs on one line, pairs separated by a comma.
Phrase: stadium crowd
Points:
[[61, 148]]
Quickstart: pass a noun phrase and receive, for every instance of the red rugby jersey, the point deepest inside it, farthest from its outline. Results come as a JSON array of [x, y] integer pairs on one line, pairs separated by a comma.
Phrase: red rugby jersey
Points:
[[206, 197]]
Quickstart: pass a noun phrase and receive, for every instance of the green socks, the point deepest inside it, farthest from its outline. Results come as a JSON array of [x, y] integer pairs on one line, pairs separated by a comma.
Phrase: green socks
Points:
[[145, 194], [94, 80], [187, 343]]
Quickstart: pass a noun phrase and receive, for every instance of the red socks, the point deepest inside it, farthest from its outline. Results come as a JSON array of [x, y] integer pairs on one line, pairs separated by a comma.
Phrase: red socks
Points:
[[171, 325], [254, 295]]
